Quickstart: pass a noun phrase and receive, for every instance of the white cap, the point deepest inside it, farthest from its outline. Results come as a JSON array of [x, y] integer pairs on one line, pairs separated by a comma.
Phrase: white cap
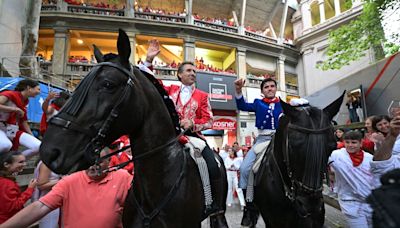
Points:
[[298, 102]]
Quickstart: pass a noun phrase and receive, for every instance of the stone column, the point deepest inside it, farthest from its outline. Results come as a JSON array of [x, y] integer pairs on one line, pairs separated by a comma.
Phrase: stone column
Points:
[[321, 11], [60, 50], [280, 76], [130, 8], [337, 7], [189, 12], [132, 40], [241, 72], [62, 6], [306, 16], [241, 62], [189, 49]]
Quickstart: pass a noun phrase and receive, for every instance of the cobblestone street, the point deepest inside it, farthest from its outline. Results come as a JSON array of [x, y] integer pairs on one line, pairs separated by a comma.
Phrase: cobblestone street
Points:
[[333, 218]]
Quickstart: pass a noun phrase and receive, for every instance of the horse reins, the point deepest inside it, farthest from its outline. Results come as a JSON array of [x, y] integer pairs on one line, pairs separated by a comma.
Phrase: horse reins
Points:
[[290, 189]]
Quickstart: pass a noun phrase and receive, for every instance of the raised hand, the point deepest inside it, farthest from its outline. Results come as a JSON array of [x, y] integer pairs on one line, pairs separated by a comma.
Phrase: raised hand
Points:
[[395, 123], [239, 83], [153, 50], [52, 95], [32, 183]]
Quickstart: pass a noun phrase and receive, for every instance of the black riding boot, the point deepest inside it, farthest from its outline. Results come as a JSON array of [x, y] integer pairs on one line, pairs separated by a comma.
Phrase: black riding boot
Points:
[[250, 214], [217, 219]]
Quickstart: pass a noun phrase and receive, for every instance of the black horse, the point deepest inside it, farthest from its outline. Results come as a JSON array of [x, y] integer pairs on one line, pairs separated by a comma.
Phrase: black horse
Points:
[[113, 100], [288, 189]]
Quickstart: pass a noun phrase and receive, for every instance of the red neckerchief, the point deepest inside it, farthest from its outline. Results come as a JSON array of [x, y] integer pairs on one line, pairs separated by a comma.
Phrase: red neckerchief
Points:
[[357, 158], [17, 98], [269, 101]]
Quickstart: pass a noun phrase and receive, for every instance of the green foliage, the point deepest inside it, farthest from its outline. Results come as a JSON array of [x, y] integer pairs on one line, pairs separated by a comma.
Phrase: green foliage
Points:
[[351, 41]]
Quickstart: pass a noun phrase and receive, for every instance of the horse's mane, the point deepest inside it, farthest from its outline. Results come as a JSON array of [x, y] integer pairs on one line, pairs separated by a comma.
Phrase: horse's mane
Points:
[[164, 95]]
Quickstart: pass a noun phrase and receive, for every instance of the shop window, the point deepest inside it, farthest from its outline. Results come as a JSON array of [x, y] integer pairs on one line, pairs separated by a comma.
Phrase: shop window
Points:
[[315, 15], [215, 58]]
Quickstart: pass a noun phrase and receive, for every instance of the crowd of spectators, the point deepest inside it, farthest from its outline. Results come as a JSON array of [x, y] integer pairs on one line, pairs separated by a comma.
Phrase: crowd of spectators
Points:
[[218, 21], [200, 65], [159, 14], [97, 4], [100, 8], [49, 2]]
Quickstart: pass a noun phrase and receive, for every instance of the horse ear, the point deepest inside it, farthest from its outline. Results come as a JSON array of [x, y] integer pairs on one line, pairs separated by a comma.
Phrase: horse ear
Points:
[[124, 47], [287, 108], [97, 54], [334, 107]]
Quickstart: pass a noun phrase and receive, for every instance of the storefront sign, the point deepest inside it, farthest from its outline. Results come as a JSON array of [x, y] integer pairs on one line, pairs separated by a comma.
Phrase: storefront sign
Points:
[[224, 123], [220, 89]]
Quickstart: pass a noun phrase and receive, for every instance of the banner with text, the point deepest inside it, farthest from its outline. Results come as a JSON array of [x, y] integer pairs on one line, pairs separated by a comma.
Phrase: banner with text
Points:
[[224, 123]]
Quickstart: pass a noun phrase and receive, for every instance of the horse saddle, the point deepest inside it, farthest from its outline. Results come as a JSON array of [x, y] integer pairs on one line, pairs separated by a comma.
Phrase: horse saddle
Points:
[[259, 150], [196, 146]]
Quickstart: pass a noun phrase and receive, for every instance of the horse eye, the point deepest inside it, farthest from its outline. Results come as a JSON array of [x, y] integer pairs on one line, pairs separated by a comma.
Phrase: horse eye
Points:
[[108, 85]]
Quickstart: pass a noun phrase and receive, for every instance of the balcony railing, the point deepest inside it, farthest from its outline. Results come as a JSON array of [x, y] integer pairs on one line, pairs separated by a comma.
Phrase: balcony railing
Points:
[[292, 89], [95, 10], [160, 17], [79, 68], [49, 7], [258, 36], [155, 17], [215, 26]]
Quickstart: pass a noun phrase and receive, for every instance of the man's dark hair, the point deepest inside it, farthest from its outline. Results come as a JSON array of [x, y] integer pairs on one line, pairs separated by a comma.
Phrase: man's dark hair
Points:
[[267, 80], [180, 67], [353, 135], [24, 84], [62, 99]]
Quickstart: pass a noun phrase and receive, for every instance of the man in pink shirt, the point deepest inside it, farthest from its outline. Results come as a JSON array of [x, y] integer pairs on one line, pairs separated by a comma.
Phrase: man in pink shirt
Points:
[[85, 198]]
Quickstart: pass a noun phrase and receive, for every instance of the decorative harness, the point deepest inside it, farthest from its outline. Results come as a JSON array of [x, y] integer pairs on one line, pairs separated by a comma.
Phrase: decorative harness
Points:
[[295, 185], [98, 138]]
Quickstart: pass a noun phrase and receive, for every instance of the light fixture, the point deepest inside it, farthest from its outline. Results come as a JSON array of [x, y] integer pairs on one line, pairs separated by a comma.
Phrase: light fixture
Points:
[[79, 41]]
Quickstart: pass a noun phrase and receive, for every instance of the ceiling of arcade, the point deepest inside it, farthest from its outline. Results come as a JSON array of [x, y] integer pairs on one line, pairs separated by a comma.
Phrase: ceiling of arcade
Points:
[[259, 13]]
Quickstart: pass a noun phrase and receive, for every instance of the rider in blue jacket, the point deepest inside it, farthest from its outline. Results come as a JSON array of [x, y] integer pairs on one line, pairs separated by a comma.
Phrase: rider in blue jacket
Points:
[[268, 111]]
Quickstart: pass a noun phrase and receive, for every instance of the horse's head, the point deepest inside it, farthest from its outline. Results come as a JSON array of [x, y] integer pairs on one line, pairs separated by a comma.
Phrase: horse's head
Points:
[[112, 100], [307, 142]]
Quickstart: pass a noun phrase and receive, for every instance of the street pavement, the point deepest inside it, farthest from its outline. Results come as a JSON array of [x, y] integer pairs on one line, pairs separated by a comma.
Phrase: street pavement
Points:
[[333, 218]]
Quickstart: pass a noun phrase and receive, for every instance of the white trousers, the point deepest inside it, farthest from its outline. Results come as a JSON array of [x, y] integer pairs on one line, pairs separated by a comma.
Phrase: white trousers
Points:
[[26, 140], [233, 184], [361, 221]]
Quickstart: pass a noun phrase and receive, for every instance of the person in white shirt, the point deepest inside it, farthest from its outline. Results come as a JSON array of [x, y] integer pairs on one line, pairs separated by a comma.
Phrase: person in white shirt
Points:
[[223, 152], [354, 180], [232, 165], [236, 148]]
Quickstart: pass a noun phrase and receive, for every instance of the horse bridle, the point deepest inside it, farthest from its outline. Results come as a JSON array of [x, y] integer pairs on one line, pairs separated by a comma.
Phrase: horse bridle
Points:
[[291, 188], [97, 142]]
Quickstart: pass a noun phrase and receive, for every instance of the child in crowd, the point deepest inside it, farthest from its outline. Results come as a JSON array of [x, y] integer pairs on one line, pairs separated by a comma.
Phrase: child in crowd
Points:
[[353, 180]]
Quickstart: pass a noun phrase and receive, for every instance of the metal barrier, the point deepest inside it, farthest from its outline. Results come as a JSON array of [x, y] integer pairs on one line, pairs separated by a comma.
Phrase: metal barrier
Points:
[[259, 36], [160, 17], [95, 10], [216, 26]]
